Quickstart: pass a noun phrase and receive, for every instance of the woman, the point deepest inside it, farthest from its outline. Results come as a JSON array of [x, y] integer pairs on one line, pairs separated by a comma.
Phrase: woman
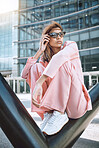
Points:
[[56, 82]]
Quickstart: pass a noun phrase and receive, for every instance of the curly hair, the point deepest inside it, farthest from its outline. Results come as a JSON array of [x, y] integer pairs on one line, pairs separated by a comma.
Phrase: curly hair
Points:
[[48, 53]]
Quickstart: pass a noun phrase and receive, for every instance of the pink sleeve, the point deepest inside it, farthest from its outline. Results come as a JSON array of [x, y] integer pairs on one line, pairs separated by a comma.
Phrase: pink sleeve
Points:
[[26, 74], [69, 51]]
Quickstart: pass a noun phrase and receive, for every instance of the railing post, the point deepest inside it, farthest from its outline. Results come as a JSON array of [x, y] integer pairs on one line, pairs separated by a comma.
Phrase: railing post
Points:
[[14, 85]]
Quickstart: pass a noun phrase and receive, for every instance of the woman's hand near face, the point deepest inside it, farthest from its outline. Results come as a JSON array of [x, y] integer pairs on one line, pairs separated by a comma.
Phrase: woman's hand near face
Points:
[[43, 43]]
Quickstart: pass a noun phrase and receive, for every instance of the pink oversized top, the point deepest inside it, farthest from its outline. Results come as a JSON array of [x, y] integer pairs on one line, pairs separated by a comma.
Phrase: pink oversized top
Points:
[[68, 54]]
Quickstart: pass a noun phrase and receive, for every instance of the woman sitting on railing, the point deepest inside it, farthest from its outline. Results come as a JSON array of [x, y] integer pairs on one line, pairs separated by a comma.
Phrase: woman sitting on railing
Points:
[[57, 87]]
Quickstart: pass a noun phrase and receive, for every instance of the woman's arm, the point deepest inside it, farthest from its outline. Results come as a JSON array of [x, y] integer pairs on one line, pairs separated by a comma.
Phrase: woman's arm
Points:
[[32, 60], [42, 79], [25, 71], [37, 93]]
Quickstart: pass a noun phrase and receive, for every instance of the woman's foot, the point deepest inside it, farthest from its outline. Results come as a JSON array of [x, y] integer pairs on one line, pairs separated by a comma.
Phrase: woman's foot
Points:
[[55, 123], [45, 120]]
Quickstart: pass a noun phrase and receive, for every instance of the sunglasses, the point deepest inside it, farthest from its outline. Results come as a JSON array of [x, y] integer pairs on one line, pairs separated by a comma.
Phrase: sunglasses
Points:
[[55, 35]]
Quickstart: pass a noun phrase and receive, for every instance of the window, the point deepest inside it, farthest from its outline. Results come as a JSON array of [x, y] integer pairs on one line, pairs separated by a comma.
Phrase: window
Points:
[[72, 8], [94, 2], [86, 4], [80, 5], [89, 43], [95, 19], [73, 25], [86, 21], [64, 9], [81, 24]]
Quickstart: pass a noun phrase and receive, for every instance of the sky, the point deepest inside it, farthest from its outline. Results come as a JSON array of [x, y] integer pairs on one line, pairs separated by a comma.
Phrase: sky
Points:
[[8, 5]]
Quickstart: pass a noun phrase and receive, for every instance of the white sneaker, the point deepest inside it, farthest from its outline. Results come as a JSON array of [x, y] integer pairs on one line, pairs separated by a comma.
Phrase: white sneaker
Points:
[[45, 120], [55, 123]]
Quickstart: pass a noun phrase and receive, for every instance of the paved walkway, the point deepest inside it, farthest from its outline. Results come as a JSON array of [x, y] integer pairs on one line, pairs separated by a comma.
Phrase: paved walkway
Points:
[[89, 138]]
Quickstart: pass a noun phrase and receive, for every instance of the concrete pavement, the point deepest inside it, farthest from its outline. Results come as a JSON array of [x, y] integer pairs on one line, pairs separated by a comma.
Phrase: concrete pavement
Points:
[[89, 138]]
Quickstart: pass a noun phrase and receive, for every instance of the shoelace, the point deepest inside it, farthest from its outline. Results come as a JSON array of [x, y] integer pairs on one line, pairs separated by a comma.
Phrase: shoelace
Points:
[[52, 119]]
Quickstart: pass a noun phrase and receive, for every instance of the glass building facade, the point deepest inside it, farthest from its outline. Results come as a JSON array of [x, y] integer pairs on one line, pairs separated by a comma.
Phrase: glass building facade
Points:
[[7, 37], [6, 42], [80, 20]]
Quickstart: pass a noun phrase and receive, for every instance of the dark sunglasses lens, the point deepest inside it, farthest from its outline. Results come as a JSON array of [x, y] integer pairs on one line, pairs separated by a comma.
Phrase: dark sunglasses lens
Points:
[[54, 35], [61, 34]]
